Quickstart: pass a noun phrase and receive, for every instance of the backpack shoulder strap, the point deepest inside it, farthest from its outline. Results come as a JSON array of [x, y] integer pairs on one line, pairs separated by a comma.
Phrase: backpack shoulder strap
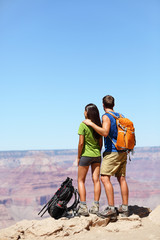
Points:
[[112, 140], [112, 114], [76, 201], [116, 117]]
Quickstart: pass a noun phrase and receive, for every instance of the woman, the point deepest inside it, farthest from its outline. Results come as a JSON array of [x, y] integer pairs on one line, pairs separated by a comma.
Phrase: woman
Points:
[[89, 153]]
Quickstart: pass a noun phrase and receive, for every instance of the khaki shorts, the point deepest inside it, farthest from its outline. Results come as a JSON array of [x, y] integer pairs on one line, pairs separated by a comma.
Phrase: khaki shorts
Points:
[[114, 163]]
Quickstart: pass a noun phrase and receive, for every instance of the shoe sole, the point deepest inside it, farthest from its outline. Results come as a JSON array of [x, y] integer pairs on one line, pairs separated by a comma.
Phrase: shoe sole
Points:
[[83, 214], [111, 217], [93, 212], [123, 214]]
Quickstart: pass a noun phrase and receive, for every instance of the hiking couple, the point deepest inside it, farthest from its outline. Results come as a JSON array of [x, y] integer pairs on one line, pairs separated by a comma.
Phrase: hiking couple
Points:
[[114, 162]]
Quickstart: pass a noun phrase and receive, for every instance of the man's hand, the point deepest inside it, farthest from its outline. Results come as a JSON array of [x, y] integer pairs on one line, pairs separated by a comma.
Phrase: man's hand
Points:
[[88, 122]]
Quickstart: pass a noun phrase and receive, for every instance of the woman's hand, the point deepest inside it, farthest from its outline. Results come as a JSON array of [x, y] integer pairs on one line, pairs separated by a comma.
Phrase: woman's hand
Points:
[[78, 159]]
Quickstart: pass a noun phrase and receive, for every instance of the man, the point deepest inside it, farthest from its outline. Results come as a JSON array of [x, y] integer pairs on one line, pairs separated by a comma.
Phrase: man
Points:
[[114, 161]]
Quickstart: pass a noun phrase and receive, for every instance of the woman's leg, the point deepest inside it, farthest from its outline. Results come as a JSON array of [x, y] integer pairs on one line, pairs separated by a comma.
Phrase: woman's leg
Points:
[[95, 167], [82, 172]]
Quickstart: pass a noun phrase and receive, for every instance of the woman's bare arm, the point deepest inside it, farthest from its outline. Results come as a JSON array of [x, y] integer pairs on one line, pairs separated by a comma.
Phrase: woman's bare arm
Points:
[[80, 147], [100, 142]]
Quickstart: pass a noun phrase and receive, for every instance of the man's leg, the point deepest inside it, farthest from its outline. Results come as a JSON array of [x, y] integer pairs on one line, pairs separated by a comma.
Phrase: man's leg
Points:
[[124, 189], [107, 170], [110, 211], [108, 189], [120, 174], [123, 209]]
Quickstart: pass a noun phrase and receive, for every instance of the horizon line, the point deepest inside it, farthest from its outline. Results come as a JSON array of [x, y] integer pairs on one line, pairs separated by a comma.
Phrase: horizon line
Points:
[[63, 149]]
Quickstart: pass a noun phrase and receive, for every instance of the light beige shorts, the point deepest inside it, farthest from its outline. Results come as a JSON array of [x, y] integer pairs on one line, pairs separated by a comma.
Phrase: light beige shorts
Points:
[[114, 163]]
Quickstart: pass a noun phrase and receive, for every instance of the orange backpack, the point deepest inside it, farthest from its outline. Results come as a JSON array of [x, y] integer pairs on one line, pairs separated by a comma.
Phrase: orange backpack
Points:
[[126, 133]]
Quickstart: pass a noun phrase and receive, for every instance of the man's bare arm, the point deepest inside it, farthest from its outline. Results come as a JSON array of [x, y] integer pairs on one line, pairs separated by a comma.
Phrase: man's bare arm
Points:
[[104, 130]]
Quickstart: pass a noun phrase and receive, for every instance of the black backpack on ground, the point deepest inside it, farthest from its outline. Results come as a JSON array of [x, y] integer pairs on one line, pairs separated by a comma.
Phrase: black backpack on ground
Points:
[[57, 205]]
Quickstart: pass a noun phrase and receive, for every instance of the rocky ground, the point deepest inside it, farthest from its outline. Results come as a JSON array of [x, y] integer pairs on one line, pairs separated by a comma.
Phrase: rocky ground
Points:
[[140, 225]]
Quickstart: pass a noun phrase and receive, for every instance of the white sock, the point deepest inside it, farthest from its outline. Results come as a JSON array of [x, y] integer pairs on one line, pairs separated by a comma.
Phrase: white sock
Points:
[[112, 207]]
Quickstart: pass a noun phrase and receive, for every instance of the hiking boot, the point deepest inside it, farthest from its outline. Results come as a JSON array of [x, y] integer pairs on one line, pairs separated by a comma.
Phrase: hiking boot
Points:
[[108, 213], [95, 208], [123, 210], [83, 210]]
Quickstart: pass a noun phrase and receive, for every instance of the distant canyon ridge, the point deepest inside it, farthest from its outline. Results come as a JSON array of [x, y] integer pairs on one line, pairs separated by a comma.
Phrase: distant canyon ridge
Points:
[[28, 179]]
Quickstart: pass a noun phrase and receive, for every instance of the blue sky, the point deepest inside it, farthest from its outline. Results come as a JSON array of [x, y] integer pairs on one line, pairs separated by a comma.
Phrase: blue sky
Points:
[[57, 56]]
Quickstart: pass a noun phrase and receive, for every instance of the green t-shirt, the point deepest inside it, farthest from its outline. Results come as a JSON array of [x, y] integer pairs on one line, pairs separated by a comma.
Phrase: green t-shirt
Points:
[[91, 146]]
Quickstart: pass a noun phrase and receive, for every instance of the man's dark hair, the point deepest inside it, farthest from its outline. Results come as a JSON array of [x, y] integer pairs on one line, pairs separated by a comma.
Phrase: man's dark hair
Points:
[[108, 101]]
